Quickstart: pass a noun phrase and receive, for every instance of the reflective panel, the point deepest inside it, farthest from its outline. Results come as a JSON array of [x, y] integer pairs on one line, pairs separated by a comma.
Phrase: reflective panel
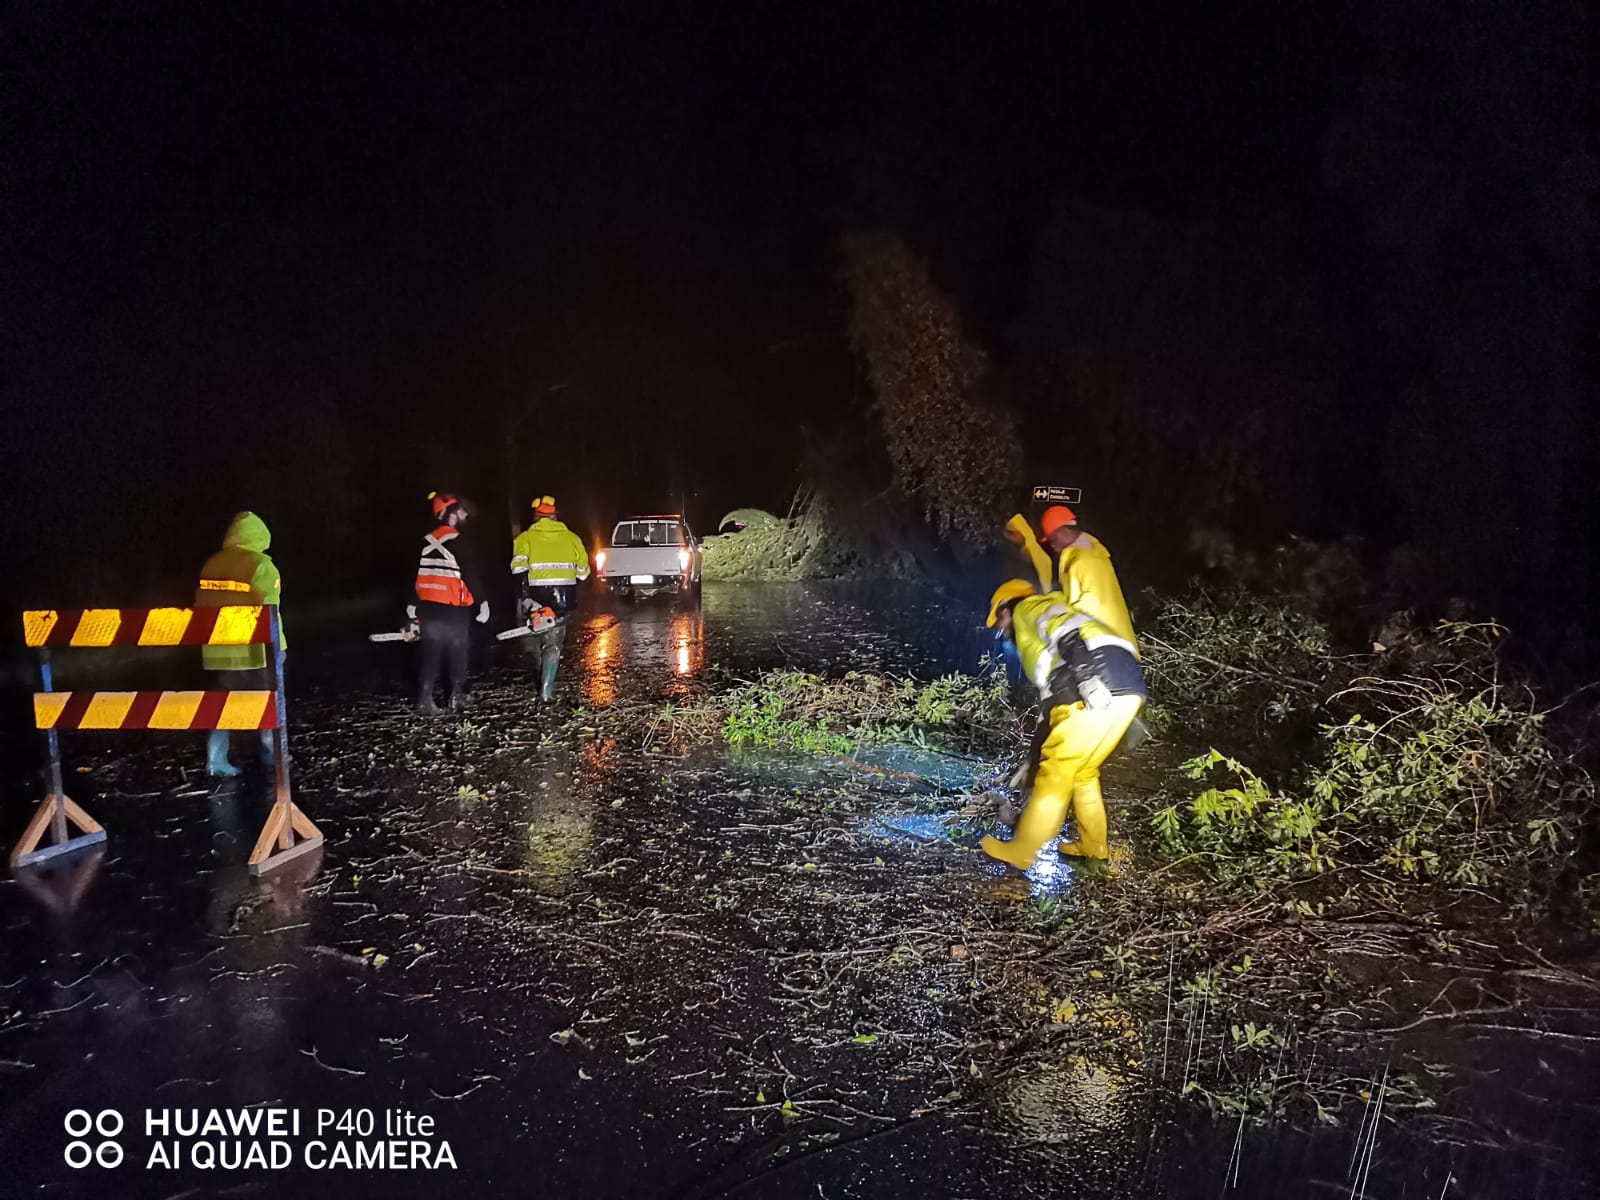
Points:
[[107, 710], [36, 626], [47, 708], [176, 710], [236, 625], [165, 627], [97, 627]]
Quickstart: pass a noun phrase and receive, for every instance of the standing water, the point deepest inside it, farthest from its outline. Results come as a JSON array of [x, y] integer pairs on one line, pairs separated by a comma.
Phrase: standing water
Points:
[[607, 964]]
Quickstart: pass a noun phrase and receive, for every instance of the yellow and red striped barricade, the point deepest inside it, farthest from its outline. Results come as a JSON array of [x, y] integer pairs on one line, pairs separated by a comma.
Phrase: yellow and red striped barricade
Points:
[[288, 832], [231, 625]]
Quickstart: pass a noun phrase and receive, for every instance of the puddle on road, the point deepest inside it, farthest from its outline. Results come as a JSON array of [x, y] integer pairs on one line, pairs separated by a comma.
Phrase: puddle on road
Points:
[[618, 970]]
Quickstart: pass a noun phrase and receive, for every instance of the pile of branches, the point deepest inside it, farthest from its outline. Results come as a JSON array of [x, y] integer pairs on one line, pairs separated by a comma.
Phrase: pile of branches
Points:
[[816, 540], [756, 545], [799, 710], [1367, 845], [1384, 769]]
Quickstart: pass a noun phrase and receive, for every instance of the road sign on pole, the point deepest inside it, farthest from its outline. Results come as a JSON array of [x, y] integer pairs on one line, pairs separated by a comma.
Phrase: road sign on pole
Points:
[[1046, 493]]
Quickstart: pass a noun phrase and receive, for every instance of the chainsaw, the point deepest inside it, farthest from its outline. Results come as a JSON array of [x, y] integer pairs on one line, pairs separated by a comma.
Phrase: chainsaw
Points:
[[407, 633], [539, 619]]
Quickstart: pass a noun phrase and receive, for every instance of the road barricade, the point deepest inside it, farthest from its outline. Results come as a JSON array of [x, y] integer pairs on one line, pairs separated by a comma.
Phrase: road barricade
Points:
[[288, 832]]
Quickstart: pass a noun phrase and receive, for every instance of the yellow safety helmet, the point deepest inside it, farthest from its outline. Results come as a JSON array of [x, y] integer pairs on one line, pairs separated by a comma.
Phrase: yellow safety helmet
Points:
[[1011, 589]]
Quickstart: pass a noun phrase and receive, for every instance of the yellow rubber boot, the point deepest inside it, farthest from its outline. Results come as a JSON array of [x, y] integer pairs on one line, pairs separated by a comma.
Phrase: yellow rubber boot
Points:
[[1040, 821], [1089, 811]]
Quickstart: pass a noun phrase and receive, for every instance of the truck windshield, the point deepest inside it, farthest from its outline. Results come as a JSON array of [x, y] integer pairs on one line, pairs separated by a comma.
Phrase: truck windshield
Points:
[[646, 533]]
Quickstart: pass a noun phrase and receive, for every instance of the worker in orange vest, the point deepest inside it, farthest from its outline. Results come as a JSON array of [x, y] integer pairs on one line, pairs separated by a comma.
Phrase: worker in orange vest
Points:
[[448, 588]]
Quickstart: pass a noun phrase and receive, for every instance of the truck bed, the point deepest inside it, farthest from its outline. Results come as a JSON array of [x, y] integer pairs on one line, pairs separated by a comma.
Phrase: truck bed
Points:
[[625, 561]]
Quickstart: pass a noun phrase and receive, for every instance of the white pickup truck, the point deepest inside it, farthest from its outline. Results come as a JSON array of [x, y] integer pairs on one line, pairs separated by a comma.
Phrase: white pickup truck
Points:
[[648, 555]]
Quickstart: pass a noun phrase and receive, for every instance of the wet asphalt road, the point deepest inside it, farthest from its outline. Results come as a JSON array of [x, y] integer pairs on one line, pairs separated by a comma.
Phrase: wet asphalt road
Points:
[[601, 970]]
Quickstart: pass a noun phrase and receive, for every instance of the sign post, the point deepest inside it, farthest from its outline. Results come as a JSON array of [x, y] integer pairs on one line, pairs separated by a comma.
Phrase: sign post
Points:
[[1046, 493]]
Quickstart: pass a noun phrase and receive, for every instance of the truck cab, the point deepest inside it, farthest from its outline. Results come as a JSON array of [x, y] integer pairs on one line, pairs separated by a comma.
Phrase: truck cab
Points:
[[649, 555]]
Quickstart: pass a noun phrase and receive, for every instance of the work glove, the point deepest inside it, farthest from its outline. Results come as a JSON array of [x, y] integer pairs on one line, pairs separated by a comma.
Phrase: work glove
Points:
[[483, 613], [411, 612], [1094, 693]]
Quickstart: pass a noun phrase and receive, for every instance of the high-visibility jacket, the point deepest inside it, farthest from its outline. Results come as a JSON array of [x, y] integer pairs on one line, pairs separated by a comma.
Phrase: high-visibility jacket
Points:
[[240, 573], [1088, 606], [1087, 579], [1020, 532], [1083, 573], [549, 554], [440, 577]]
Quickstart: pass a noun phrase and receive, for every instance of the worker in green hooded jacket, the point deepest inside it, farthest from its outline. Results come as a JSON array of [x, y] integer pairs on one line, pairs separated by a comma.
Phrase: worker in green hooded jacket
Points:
[[239, 573]]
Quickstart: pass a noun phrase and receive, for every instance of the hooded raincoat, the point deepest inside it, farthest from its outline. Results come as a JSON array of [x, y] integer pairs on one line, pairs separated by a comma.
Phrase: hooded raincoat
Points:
[[240, 573]]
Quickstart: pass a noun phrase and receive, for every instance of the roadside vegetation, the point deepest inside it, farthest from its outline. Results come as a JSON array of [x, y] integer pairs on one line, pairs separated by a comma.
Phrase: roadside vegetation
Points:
[[1336, 850], [799, 710], [1322, 851]]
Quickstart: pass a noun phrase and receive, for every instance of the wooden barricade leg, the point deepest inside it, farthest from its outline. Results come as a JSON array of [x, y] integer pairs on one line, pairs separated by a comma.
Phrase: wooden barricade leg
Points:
[[56, 809], [53, 813], [277, 843]]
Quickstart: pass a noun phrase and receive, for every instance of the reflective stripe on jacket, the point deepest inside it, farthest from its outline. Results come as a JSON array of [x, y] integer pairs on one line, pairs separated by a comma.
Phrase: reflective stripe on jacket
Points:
[[1041, 623], [549, 553], [439, 577]]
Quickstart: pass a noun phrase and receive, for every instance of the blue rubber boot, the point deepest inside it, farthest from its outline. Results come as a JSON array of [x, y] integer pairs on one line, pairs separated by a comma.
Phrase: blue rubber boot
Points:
[[547, 686], [217, 763]]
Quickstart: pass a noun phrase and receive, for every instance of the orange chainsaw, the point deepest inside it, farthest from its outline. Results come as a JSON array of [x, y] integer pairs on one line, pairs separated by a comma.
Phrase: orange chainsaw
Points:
[[539, 619]]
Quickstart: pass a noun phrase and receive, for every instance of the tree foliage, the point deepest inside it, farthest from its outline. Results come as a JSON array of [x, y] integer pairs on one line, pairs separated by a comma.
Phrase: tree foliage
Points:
[[953, 450]]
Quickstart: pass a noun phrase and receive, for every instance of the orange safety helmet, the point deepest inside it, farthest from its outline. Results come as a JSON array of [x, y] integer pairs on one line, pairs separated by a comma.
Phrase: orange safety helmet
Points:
[[544, 506], [444, 502], [1056, 517]]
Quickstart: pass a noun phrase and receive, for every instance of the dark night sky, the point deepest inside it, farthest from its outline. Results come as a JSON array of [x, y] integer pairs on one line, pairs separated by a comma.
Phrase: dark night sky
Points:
[[307, 258], [225, 222]]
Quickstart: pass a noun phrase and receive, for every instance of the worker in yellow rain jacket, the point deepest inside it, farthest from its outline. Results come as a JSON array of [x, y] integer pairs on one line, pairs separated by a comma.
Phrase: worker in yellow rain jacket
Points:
[[1077, 648], [548, 561], [1063, 540], [239, 573]]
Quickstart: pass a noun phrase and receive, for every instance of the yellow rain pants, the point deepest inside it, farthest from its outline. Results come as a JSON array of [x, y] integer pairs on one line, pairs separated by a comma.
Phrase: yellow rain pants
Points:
[[1069, 773]]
